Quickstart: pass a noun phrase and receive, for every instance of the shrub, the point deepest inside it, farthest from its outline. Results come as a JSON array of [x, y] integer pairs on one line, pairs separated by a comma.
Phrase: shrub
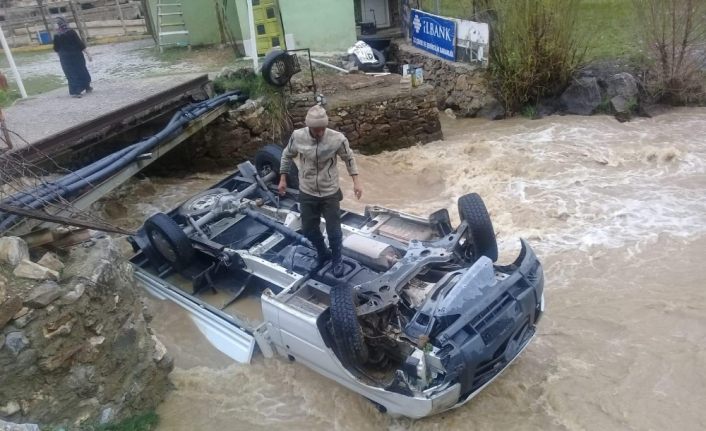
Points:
[[533, 49], [254, 86], [674, 34]]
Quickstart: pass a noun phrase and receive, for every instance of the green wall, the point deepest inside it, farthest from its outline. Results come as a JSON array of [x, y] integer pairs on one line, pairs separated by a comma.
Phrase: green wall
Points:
[[322, 25], [202, 20]]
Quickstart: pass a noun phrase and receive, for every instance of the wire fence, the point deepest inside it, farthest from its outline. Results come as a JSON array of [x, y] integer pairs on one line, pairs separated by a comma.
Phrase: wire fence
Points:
[[463, 9]]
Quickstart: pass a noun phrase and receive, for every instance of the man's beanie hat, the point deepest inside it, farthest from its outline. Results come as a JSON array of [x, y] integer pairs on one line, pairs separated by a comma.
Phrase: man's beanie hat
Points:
[[316, 117]]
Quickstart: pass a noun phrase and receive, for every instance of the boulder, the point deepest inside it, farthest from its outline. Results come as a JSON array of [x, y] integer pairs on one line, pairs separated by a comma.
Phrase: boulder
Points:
[[23, 319], [16, 342], [51, 261], [74, 294], [582, 97], [43, 295], [10, 426], [653, 110], [8, 309], [13, 250], [29, 269], [622, 84], [3, 292], [492, 109], [622, 108], [10, 408]]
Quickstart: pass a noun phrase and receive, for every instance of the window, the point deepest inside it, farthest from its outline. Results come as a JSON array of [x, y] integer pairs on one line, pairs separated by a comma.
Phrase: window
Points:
[[260, 29], [270, 12], [275, 41], [256, 2]]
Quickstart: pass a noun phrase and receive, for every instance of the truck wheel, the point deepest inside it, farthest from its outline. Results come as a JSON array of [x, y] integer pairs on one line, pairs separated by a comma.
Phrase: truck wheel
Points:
[[268, 160], [169, 240], [481, 236], [346, 329]]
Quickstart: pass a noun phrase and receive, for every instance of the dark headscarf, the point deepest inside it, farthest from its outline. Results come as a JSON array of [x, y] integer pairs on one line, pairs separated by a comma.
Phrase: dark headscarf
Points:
[[62, 25]]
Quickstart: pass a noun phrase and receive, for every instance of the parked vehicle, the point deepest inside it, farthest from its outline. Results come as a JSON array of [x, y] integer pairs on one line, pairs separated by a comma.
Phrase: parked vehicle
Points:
[[421, 321]]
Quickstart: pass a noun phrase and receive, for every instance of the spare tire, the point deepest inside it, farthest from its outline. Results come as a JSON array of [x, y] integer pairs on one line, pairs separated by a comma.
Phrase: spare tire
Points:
[[346, 329], [370, 67], [275, 68], [268, 160], [169, 241], [481, 238]]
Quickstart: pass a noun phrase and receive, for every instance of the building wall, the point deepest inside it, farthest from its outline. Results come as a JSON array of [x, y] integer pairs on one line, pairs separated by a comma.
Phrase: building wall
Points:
[[322, 25], [201, 18]]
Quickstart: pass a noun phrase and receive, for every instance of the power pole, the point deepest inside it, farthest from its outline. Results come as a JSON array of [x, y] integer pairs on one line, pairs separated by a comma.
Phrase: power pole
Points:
[[40, 3], [81, 29], [120, 13]]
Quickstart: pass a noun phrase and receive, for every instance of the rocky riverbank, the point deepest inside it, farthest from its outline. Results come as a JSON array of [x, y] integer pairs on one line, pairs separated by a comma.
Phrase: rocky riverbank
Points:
[[75, 344]]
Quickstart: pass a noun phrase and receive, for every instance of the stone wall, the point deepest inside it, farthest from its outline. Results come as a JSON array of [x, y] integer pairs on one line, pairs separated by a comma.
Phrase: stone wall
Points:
[[378, 118], [234, 137], [75, 346], [462, 87], [375, 114]]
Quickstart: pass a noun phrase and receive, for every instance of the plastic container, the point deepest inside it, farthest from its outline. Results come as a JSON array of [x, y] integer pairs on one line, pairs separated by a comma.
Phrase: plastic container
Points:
[[44, 37]]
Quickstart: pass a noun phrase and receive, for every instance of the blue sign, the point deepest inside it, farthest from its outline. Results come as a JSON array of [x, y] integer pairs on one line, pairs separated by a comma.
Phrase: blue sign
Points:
[[434, 34]]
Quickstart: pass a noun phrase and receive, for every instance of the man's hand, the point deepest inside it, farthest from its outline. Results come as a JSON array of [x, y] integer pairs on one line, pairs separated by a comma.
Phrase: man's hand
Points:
[[357, 188], [282, 188]]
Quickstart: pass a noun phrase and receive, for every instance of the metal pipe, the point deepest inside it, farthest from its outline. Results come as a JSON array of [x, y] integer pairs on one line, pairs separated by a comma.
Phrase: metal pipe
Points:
[[284, 230], [97, 172], [323, 63], [43, 191], [13, 66]]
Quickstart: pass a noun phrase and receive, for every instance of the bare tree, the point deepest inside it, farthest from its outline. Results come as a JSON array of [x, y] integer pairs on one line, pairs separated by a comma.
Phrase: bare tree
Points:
[[674, 33]]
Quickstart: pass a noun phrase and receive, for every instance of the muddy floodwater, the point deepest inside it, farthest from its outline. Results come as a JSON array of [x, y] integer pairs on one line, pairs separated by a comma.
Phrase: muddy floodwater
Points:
[[617, 214]]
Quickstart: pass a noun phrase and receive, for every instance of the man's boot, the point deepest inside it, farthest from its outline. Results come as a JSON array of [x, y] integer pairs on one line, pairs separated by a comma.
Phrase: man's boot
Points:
[[337, 267]]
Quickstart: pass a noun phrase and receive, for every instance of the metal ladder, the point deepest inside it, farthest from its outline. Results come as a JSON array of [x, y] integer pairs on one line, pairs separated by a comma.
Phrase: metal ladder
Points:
[[170, 23]]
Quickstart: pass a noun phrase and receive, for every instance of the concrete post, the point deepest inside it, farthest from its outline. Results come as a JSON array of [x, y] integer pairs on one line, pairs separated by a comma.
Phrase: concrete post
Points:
[[253, 35], [40, 3], [84, 34], [120, 13], [13, 66]]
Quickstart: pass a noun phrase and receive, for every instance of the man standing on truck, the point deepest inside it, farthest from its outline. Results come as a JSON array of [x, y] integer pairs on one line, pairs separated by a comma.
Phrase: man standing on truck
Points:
[[319, 191]]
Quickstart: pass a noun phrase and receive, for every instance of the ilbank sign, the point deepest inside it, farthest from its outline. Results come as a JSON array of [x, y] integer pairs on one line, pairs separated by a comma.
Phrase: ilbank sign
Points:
[[434, 34]]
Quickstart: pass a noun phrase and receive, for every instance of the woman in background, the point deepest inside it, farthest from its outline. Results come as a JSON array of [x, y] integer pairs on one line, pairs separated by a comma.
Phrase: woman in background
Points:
[[71, 50]]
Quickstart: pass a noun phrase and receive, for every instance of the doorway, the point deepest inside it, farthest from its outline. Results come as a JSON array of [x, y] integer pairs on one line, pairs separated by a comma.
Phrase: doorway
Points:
[[268, 26], [377, 11]]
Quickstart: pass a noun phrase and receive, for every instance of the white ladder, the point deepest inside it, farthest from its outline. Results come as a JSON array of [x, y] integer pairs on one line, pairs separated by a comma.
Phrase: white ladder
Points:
[[170, 23]]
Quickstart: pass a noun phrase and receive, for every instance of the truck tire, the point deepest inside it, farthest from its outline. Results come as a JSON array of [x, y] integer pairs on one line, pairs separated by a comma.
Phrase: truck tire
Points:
[[269, 158], [481, 237], [346, 329], [169, 241], [275, 69]]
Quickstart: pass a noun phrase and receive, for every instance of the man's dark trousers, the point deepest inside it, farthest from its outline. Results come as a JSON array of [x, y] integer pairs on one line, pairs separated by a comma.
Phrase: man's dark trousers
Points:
[[312, 208]]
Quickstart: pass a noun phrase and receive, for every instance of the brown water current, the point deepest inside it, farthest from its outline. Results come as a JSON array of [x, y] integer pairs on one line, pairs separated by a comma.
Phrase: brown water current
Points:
[[617, 214]]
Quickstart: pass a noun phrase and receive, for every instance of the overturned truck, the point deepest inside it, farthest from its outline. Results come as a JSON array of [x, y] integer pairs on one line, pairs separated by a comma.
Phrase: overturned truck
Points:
[[419, 323]]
